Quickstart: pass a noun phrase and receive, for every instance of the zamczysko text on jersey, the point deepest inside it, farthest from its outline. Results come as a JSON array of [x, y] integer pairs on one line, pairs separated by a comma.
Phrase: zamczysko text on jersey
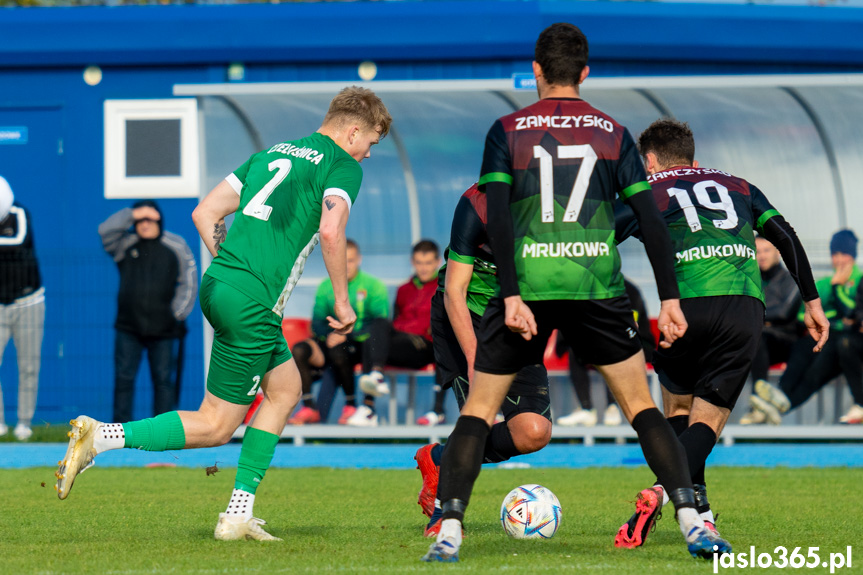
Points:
[[585, 121]]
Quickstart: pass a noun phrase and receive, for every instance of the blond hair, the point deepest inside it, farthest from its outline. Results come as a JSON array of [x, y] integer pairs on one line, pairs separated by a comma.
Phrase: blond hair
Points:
[[360, 105]]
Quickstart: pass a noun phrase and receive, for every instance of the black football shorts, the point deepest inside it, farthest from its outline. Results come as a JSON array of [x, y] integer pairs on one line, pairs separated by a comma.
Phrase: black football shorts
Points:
[[602, 331], [712, 360]]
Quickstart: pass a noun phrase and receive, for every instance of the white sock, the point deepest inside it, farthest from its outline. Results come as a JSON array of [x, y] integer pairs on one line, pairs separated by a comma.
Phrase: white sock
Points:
[[109, 436], [241, 504], [708, 516], [689, 519], [450, 531], [665, 498]]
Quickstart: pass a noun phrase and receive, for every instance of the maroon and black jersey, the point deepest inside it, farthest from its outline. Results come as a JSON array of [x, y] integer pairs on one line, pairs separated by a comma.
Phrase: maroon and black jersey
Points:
[[711, 216], [566, 163], [469, 244]]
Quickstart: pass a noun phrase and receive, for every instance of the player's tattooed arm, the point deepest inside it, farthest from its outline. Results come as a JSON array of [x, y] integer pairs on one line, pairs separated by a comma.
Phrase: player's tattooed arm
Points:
[[220, 232], [329, 203]]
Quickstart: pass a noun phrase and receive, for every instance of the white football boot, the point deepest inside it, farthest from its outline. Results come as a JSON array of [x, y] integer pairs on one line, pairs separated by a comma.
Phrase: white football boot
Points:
[[236, 527], [79, 454]]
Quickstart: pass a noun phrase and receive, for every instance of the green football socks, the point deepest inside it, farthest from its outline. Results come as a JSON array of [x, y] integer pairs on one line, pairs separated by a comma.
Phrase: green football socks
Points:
[[159, 433], [255, 458]]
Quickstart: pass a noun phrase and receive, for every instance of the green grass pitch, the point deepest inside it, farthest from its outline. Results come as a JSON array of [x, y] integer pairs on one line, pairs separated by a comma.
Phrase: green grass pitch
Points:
[[161, 520]]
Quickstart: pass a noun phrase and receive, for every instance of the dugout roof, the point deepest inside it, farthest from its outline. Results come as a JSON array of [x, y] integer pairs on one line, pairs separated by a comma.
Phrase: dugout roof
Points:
[[795, 137]]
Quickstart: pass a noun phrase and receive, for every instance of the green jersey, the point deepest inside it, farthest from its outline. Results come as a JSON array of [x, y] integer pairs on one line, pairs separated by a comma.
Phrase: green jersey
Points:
[[469, 244], [839, 301], [712, 217], [566, 163], [276, 225], [368, 297]]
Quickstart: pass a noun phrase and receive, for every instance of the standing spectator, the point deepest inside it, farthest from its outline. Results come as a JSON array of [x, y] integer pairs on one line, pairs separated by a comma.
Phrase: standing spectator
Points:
[[781, 301], [807, 372], [158, 287], [22, 306], [580, 378], [328, 347]]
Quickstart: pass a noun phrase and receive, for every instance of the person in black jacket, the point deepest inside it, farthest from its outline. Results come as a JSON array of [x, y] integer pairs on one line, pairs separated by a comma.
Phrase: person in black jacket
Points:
[[158, 287], [781, 301], [22, 306]]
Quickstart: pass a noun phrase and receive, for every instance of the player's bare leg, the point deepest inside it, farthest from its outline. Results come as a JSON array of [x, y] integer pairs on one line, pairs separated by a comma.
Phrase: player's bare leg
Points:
[[213, 424], [664, 454], [462, 460], [282, 388]]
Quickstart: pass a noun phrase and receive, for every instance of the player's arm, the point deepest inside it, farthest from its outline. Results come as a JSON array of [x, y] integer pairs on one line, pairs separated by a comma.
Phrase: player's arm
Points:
[[657, 244], [334, 218], [457, 280], [209, 215], [635, 191], [779, 232], [496, 182]]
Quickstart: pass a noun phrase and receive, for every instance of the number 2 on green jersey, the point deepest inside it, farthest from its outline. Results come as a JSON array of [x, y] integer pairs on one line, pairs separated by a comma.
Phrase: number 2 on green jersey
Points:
[[579, 188], [256, 206]]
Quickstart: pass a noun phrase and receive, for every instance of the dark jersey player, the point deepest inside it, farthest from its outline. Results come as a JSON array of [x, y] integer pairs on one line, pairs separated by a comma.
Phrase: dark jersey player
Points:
[[466, 283], [552, 172], [711, 216]]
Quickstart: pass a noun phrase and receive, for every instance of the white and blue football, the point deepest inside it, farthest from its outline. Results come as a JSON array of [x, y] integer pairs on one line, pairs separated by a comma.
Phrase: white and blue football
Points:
[[530, 512]]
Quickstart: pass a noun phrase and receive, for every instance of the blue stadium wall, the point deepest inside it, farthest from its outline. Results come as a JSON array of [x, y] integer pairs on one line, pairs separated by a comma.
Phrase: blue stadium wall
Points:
[[144, 51]]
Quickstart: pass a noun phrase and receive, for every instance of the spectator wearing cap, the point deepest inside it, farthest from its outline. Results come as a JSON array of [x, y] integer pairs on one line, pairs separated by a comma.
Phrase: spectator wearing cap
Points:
[[22, 306], [807, 372], [158, 287]]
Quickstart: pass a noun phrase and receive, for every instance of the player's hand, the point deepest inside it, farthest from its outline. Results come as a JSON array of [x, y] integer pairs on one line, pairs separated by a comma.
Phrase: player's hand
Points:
[[346, 315], [816, 322], [519, 318], [671, 322]]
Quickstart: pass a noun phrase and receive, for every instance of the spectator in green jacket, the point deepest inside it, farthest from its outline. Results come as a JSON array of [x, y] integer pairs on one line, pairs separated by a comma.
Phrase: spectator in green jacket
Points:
[[807, 372], [326, 348]]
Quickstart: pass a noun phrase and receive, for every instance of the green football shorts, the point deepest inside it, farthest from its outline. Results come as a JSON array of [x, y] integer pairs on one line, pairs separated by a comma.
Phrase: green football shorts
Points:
[[248, 342]]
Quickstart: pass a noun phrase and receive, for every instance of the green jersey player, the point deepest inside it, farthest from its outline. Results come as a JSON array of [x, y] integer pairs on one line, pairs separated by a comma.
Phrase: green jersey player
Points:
[[285, 199]]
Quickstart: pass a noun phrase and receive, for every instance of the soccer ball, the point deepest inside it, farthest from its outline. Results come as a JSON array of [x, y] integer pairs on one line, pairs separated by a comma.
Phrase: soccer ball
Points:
[[530, 512]]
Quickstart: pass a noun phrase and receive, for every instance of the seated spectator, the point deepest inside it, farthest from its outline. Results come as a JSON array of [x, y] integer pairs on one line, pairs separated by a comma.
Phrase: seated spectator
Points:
[[368, 297], [586, 414], [781, 300], [852, 338], [407, 341], [807, 372]]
